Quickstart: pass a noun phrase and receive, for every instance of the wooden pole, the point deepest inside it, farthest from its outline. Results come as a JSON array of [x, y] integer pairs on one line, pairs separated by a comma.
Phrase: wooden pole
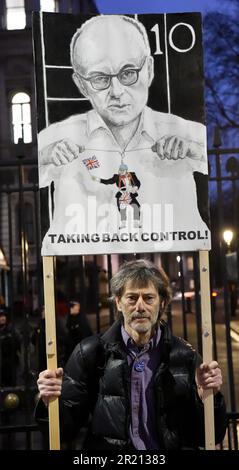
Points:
[[207, 346], [51, 345]]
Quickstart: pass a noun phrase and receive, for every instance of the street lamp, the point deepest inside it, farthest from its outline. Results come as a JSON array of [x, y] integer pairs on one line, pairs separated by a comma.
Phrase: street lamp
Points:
[[228, 236]]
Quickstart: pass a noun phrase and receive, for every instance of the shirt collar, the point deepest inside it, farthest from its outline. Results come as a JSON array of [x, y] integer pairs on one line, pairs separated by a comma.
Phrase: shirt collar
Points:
[[95, 123], [146, 126], [128, 341]]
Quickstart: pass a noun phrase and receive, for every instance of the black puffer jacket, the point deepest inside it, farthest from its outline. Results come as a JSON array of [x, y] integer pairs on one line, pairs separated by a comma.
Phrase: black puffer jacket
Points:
[[97, 383]]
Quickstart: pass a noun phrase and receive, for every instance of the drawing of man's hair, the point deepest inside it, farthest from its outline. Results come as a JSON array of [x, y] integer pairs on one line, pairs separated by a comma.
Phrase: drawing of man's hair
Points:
[[95, 19]]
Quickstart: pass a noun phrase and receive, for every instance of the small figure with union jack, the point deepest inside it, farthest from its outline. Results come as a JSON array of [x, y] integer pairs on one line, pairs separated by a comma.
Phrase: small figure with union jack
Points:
[[128, 185]]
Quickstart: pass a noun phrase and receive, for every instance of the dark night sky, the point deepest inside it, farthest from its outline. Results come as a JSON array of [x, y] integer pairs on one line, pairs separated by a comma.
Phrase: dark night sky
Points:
[[157, 6]]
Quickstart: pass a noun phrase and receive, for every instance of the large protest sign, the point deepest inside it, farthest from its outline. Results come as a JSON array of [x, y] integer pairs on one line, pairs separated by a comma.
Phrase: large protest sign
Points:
[[122, 147], [122, 140]]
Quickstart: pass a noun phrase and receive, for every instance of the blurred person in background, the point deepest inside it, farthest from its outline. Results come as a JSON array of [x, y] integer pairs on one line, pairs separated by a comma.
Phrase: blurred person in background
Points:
[[10, 346], [77, 326]]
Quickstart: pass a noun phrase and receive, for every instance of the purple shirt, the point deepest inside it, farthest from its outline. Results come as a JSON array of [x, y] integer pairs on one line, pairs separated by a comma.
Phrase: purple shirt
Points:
[[143, 362]]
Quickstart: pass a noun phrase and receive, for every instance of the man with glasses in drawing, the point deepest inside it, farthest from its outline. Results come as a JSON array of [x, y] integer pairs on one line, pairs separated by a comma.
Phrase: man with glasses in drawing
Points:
[[113, 68]]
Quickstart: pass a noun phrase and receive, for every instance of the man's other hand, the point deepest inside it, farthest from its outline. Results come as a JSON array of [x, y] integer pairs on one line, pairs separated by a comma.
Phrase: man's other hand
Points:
[[95, 178], [208, 376], [50, 384], [60, 153], [175, 148]]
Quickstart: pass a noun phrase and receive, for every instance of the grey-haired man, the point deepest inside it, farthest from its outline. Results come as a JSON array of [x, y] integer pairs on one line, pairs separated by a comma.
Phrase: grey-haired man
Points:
[[141, 387]]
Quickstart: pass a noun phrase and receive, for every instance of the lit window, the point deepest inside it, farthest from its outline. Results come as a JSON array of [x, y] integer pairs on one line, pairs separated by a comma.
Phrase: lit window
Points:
[[21, 118], [48, 5], [16, 16]]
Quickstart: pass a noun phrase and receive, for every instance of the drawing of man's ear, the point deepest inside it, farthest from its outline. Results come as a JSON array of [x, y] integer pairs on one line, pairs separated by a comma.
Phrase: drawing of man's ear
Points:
[[150, 64], [80, 85]]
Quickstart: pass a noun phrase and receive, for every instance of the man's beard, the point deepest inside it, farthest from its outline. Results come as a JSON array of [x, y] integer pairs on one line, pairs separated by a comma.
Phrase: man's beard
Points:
[[140, 328]]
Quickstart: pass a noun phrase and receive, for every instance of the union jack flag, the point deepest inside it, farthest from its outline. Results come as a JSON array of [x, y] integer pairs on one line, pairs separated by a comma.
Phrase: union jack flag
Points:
[[91, 163]]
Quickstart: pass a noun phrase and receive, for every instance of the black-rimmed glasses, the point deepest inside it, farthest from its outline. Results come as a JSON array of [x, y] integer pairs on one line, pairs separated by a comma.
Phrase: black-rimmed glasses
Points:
[[126, 76]]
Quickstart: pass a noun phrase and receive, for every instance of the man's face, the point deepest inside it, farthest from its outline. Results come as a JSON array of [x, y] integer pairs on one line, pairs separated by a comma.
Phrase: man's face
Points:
[[75, 309], [140, 307], [109, 48]]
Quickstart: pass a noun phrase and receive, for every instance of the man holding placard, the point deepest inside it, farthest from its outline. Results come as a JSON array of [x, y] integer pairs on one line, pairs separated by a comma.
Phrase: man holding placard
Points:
[[141, 387]]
